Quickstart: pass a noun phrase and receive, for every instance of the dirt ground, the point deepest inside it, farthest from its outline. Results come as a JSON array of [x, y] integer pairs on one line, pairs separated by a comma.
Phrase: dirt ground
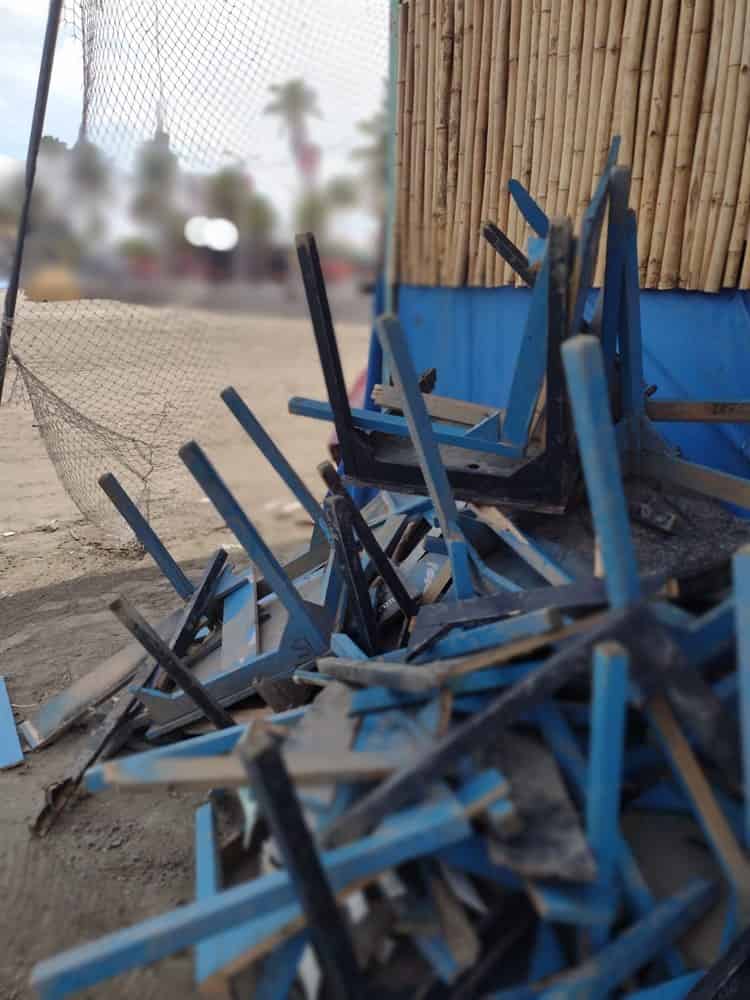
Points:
[[117, 858]]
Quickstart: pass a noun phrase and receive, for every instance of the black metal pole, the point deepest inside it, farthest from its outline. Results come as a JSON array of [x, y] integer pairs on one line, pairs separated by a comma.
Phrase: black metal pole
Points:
[[35, 138]]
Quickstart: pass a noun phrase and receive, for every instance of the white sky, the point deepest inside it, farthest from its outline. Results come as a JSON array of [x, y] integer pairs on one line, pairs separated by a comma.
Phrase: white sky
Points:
[[215, 82]]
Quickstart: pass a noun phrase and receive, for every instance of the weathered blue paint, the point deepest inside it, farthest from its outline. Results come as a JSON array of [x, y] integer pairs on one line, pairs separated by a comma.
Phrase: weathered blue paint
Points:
[[208, 745], [389, 423], [547, 957], [11, 753], [461, 641], [408, 835], [579, 905], [252, 542], [487, 429], [425, 444], [239, 631], [279, 970], [270, 450], [146, 535], [609, 702], [589, 395], [741, 578], [530, 367], [561, 739], [635, 947], [531, 552], [532, 212]]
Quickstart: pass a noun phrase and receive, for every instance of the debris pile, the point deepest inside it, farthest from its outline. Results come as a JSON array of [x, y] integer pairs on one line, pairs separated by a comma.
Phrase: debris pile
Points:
[[438, 740]]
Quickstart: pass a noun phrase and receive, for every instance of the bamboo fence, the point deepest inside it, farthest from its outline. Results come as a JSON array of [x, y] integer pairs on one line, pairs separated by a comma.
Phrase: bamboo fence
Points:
[[490, 90]]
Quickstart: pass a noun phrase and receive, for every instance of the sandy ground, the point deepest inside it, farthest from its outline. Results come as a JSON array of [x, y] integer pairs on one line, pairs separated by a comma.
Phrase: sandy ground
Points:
[[119, 858]]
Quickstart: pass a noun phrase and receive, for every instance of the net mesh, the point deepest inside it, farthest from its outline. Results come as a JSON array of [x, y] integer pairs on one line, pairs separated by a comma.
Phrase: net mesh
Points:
[[118, 385]]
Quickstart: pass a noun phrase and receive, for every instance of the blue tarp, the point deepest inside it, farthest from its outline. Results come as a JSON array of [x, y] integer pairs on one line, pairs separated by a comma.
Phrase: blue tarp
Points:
[[696, 346]]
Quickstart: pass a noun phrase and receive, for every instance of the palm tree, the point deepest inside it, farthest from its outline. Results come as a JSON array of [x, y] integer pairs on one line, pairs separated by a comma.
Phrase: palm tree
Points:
[[317, 206], [294, 103]]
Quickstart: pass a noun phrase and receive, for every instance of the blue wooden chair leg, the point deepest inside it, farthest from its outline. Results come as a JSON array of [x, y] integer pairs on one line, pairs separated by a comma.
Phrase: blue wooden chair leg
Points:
[[397, 351], [589, 396], [268, 448], [146, 535], [251, 540], [609, 700]]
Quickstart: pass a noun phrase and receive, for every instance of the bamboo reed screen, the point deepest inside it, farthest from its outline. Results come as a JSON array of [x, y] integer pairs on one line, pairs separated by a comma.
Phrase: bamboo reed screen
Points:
[[535, 89]]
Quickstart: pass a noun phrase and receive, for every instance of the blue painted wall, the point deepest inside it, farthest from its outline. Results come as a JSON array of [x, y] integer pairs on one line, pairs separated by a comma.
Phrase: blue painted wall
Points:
[[696, 346]]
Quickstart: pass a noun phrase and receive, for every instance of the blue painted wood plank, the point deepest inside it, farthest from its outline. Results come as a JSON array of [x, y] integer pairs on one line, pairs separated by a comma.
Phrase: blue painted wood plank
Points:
[[589, 396], [609, 701], [253, 543], [393, 341], [240, 635], [637, 946], [524, 546], [208, 745], [561, 739], [530, 209], [389, 423], [11, 753], [461, 641], [270, 450], [406, 836], [530, 366], [146, 535]]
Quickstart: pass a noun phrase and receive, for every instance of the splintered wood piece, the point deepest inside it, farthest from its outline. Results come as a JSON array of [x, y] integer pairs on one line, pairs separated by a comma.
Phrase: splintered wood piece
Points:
[[476, 731], [552, 843], [308, 768]]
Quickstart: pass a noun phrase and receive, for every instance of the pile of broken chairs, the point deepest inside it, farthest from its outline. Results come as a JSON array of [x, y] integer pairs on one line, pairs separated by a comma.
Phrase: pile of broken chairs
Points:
[[489, 735]]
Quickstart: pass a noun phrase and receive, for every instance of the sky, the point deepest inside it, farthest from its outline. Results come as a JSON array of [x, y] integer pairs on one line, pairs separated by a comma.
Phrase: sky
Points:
[[215, 70]]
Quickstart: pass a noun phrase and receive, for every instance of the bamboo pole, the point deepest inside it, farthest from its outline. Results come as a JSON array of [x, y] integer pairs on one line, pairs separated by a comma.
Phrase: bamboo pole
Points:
[[572, 103], [519, 118], [461, 247], [712, 151], [465, 102], [688, 127], [741, 218], [414, 16], [454, 138], [401, 126], [540, 99], [422, 82], [527, 145], [732, 126], [669, 155], [527, 154], [644, 101], [557, 116], [444, 89], [633, 39], [604, 129], [701, 141], [745, 273], [495, 131], [429, 173], [584, 88], [732, 177], [601, 33], [479, 158], [607, 104], [550, 108], [657, 121], [502, 208]]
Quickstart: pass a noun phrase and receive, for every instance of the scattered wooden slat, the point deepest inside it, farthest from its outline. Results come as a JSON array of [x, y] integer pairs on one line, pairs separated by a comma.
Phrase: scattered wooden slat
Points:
[[11, 753]]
